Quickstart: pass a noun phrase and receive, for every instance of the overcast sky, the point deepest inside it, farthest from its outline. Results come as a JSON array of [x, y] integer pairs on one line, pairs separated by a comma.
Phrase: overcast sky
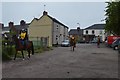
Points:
[[69, 13]]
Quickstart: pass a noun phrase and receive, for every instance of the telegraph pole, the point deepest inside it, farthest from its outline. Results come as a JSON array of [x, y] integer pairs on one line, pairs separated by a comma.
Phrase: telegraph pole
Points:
[[44, 7]]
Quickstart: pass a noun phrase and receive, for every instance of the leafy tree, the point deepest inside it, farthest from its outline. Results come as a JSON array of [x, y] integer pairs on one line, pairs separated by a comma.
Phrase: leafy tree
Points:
[[113, 17]]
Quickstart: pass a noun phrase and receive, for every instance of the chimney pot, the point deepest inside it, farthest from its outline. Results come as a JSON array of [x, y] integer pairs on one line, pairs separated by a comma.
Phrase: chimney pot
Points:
[[45, 13], [22, 22], [11, 24]]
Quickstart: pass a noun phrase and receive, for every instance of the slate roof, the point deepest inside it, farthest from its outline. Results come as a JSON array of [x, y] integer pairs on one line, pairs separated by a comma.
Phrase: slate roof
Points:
[[5, 28], [96, 26], [75, 32], [18, 27], [55, 20]]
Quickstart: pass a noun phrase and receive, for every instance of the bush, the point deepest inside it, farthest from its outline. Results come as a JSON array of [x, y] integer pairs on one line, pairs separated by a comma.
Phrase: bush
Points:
[[7, 52]]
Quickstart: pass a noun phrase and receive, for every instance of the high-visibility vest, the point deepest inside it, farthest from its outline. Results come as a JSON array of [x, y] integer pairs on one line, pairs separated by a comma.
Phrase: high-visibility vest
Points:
[[22, 35], [73, 38]]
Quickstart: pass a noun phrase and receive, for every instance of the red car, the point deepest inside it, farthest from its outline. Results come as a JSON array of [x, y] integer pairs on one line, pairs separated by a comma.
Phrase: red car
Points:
[[111, 39]]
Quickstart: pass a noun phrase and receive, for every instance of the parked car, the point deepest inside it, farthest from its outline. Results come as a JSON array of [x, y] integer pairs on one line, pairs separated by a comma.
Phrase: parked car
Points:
[[115, 44], [119, 47], [95, 41], [65, 43], [81, 41], [111, 39]]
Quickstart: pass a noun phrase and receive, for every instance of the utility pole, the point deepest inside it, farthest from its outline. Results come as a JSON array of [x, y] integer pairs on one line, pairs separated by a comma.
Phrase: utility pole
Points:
[[44, 7], [78, 30]]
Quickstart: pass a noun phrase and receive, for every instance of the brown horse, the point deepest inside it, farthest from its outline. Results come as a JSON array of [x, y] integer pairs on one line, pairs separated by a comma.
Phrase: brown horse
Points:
[[19, 47], [72, 44]]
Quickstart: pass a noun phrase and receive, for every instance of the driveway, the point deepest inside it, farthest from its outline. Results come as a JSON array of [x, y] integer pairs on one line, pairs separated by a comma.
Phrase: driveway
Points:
[[87, 61]]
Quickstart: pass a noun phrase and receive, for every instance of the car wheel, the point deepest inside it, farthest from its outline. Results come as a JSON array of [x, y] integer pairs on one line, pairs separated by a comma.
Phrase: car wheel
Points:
[[119, 51], [116, 47]]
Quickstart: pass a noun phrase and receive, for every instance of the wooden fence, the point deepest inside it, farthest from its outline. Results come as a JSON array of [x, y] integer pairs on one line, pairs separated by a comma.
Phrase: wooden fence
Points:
[[39, 41]]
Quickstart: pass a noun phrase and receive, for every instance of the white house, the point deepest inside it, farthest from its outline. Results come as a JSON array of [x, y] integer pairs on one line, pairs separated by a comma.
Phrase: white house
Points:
[[93, 31]]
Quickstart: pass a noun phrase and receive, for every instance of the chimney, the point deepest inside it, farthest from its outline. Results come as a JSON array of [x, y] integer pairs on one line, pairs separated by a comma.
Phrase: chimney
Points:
[[45, 13], [11, 24], [78, 28], [22, 23], [2, 25]]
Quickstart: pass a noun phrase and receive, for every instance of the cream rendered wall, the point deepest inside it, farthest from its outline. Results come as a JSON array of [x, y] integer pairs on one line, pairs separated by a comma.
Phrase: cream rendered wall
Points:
[[41, 28]]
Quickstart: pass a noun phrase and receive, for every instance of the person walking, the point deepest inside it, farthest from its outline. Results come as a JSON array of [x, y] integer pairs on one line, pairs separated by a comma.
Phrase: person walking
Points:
[[98, 41]]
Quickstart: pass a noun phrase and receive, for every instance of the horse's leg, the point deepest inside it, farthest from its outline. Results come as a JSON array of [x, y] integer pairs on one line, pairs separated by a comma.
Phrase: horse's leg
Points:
[[73, 47], [32, 48], [15, 54], [22, 54], [28, 53]]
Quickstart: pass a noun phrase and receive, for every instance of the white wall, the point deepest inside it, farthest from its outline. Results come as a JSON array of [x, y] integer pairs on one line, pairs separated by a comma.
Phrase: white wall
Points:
[[57, 30], [66, 32], [100, 32], [61, 38]]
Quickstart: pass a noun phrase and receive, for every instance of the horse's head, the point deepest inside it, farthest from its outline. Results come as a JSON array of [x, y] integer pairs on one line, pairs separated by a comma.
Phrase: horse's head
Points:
[[15, 39]]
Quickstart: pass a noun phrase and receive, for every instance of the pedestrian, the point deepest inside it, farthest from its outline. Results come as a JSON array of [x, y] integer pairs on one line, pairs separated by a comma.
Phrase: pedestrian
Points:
[[98, 41]]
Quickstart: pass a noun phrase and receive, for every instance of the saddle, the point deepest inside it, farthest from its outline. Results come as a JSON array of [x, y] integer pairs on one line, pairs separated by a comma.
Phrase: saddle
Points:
[[24, 43]]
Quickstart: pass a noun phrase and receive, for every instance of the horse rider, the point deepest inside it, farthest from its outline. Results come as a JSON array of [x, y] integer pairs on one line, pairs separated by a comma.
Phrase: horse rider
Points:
[[23, 37], [73, 41]]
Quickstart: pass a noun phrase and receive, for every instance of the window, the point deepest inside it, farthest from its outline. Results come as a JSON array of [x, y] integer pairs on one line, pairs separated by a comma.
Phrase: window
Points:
[[56, 37], [86, 31], [93, 32], [57, 27]]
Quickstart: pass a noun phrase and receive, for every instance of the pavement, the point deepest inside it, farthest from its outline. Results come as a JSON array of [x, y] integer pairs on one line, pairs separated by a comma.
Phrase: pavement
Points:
[[87, 61]]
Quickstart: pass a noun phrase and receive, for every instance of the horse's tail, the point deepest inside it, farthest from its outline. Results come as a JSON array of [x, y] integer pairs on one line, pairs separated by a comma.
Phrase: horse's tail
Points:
[[32, 48]]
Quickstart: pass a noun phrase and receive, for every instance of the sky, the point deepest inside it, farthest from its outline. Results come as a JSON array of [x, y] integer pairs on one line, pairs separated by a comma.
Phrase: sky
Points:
[[69, 13]]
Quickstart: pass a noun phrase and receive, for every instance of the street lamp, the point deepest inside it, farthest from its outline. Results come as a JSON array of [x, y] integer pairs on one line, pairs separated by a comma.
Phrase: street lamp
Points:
[[78, 25], [78, 30]]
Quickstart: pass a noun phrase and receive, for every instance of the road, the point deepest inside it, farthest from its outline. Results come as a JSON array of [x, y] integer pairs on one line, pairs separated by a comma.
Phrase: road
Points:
[[87, 61]]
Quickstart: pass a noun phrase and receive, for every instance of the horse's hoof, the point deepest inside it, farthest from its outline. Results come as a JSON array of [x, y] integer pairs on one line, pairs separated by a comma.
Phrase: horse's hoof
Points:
[[28, 57]]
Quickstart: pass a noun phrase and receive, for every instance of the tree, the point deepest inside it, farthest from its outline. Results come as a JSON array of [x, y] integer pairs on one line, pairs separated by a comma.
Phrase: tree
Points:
[[113, 18]]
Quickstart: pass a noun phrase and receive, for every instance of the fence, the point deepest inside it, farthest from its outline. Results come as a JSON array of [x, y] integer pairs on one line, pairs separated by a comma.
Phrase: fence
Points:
[[39, 41]]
